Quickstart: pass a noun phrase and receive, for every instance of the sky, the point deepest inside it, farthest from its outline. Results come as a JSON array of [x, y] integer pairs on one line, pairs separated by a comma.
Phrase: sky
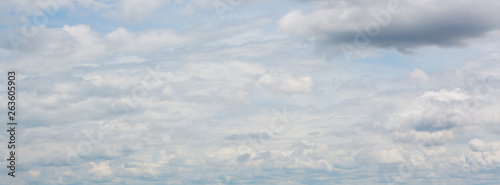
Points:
[[252, 92]]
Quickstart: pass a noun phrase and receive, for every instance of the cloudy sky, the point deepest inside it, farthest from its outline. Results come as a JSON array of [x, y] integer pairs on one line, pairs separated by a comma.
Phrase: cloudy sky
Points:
[[253, 91]]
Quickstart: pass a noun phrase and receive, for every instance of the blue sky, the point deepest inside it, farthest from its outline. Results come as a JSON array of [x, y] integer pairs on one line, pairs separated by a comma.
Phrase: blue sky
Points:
[[254, 92]]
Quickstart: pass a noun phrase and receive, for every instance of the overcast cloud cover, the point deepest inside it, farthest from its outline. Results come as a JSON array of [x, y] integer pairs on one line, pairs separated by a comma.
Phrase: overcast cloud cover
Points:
[[253, 91]]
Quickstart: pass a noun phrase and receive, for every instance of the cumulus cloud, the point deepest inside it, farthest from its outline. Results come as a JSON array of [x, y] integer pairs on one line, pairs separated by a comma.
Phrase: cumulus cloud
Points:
[[483, 155], [432, 112]]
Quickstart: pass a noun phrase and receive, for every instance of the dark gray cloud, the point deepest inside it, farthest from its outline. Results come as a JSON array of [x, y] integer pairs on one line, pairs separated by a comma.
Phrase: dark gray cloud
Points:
[[402, 25]]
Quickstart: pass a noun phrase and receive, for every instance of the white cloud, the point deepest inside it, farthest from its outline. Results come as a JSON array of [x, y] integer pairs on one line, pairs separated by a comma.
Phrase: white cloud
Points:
[[147, 41], [419, 77], [445, 95], [484, 155], [137, 10], [34, 173], [285, 83], [100, 170]]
